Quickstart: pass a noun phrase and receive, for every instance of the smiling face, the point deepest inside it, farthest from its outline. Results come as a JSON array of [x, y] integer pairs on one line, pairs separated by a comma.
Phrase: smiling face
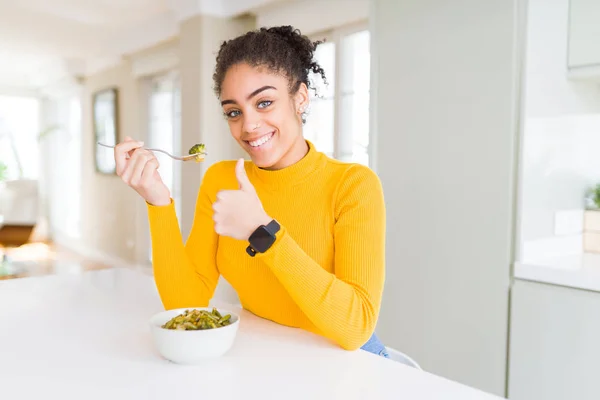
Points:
[[263, 116]]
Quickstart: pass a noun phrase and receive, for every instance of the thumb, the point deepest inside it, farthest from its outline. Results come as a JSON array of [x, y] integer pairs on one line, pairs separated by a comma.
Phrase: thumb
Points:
[[242, 178]]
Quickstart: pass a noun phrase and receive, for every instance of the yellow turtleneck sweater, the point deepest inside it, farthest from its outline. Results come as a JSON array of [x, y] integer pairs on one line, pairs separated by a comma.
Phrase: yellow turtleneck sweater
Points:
[[324, 273]]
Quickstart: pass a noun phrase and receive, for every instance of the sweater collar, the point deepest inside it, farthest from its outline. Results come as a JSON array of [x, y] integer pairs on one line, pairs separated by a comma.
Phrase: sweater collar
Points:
[[295, 173]]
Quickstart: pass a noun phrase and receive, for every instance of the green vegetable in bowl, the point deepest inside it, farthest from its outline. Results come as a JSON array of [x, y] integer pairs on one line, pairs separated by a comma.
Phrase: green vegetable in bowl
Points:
[[198, 320], [199, 150]]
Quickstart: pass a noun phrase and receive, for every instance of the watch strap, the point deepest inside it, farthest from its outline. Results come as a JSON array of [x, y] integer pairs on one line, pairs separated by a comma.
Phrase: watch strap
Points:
[[273, 227]]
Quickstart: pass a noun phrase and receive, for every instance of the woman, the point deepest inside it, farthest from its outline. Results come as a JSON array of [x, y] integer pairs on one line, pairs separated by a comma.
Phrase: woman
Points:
[[300, 236]]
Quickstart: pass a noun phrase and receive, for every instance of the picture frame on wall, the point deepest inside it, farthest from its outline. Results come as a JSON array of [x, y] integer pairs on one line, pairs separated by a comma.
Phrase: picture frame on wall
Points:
[[105, 113]]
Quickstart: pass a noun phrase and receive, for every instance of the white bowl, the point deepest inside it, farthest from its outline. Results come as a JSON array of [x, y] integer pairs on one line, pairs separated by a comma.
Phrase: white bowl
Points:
[[192, 347]]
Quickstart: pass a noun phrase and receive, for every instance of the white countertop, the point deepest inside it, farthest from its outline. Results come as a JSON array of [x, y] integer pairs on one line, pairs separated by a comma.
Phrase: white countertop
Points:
[[86, 336], [580, 271]]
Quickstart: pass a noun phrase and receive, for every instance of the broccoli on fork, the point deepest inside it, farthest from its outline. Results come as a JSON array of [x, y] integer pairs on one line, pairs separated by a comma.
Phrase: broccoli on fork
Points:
[[199, 151]]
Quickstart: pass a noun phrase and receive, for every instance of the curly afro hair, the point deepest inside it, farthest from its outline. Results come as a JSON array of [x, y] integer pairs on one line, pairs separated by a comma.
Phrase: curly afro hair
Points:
[[283, 50]]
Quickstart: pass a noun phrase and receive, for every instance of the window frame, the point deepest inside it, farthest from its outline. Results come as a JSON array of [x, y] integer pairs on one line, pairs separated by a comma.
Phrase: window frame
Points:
[[144, 255], [174, 78], [336, 36]]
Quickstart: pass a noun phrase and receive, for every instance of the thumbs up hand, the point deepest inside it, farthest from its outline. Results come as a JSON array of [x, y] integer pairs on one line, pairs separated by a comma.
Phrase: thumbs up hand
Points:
[[237, 213]]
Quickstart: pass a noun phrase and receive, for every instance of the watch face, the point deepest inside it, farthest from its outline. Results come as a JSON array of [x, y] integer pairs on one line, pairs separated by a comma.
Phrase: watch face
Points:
[[261, 240]]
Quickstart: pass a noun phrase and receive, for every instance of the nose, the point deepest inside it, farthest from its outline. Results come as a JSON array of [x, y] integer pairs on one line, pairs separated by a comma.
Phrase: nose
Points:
[[252, 122]]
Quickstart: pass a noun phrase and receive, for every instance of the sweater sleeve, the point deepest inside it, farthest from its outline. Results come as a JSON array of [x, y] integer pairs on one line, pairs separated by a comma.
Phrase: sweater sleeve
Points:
[[343, 305], [185, 275]]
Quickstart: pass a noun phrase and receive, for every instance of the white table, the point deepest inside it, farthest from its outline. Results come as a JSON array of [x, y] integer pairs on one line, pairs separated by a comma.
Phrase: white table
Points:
[[86, 336]]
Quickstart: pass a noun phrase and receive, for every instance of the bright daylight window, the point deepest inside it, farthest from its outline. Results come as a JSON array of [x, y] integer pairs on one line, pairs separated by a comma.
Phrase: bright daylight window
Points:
[[19, 130], [320, 125], [338, 120], [164, 123], [164, 129]]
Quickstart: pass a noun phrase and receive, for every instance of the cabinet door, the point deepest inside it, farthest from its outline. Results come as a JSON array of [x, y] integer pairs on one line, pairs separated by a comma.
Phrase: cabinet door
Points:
[[584, 33], [554, 343]]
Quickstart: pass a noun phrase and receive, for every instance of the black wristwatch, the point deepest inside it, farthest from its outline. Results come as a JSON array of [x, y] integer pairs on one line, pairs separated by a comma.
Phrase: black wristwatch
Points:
[[262, 238]]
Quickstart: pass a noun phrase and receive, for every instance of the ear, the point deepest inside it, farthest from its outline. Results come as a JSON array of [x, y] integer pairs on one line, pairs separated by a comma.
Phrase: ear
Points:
[[301, 99]]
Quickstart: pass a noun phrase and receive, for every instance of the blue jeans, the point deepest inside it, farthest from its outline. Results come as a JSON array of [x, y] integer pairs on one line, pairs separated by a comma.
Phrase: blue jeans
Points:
[[374, 345]]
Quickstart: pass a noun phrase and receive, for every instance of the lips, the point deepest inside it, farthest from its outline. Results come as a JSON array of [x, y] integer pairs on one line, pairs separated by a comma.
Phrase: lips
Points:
[[261, 140]]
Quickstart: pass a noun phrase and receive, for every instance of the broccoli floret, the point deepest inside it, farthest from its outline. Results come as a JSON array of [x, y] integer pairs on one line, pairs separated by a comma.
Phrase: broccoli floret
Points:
[[197, 149]]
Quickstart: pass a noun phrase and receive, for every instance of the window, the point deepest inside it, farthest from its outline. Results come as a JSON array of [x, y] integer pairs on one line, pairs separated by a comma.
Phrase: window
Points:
[[164, 129], [338, 120], [354, 97], [164, 132], [320, 125], [19, 130]]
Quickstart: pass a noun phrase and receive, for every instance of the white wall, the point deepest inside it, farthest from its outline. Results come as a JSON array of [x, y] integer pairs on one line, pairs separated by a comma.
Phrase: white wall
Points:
[[106, 202], [314, 16], [446, 117], [561, 138]]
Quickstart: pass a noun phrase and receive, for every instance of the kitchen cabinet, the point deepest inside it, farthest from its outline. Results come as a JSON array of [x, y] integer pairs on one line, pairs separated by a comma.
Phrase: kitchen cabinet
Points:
[[554, 342], [584, 39]]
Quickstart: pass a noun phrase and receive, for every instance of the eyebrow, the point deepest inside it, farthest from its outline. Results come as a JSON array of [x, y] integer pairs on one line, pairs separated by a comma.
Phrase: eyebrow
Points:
[[251, 95]]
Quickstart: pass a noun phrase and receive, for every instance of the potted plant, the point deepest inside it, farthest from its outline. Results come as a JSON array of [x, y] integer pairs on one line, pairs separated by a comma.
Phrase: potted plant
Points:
[[3, 172], [591, 220], [3, 175], [593, 198]]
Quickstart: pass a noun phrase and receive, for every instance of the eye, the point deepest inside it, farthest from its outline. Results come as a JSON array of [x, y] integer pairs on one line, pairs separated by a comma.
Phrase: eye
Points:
[[232, 114], [264, 103]]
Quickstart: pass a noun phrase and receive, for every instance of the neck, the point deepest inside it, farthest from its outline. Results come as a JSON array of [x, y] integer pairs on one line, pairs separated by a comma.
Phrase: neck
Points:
[[294, 154], [299, 168]]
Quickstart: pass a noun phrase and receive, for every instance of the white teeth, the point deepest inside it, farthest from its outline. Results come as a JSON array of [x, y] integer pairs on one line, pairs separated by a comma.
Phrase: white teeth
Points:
[[262, 140]]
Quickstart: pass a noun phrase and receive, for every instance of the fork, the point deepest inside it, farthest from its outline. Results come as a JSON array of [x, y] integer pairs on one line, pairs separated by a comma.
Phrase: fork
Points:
[[180, 158]]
